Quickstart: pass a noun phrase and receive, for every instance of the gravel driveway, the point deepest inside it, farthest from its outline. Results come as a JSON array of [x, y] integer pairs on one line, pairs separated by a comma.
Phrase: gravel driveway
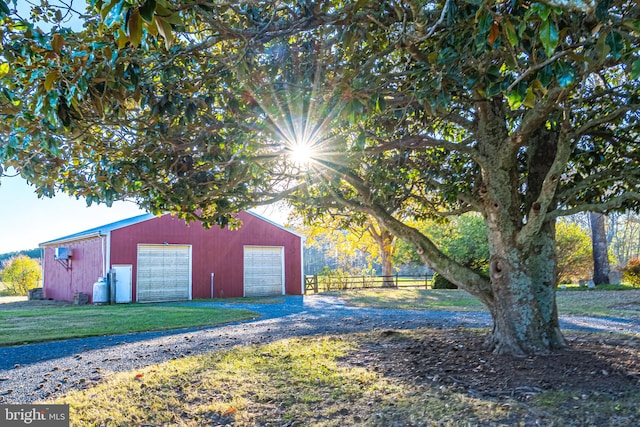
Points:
[[34, 372]]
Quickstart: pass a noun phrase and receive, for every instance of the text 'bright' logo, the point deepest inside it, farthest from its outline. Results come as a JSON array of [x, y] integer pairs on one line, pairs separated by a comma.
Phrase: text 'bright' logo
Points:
[[35, 415]]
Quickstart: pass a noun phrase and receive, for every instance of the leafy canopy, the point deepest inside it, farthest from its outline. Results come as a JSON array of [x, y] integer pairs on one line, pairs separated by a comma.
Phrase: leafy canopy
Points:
[[193, 107]]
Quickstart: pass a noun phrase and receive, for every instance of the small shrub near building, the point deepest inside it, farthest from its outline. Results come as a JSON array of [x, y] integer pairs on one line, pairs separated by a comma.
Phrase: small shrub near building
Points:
[[439, 282]]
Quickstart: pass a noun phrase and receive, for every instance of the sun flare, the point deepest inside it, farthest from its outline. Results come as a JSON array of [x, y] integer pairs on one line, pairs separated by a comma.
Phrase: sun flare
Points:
[[298, 122], [301, 153]]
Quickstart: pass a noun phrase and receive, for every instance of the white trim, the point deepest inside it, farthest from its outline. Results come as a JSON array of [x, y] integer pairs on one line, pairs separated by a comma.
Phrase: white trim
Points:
[[71, 240], [104, 229], [103, 254], [43, 257], [108, 252]]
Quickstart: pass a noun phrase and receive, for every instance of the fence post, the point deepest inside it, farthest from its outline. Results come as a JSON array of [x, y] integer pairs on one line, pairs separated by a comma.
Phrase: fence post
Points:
[[426, 281], [396, 279], [315, 283]]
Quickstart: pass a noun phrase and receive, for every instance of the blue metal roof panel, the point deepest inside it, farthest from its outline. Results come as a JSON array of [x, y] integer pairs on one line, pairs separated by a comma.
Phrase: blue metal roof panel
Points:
[[103, 229]]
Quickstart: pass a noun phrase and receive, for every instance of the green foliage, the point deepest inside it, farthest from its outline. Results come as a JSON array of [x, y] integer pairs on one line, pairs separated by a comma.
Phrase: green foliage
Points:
[[462, 238], [439, 282], [20, 274], [631, 274], [573, 245], [329, 280], [166, 104]]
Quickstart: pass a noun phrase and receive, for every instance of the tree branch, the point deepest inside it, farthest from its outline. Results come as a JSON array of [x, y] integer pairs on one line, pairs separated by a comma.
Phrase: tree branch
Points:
[[604, 207], [535, 68], [462, 276], [537, 214], [537, 116], [416, 141], [609, 118]]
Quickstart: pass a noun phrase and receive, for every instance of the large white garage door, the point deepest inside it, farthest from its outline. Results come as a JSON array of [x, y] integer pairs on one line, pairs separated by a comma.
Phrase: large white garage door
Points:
[[263, 270], [164, 273]]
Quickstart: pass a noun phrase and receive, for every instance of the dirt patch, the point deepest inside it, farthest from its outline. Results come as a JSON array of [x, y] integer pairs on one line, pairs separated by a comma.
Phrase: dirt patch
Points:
[[458, 359]]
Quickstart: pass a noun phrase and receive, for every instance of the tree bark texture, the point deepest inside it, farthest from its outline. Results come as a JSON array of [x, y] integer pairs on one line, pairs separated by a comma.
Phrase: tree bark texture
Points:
[[600, 249], [524, 308]]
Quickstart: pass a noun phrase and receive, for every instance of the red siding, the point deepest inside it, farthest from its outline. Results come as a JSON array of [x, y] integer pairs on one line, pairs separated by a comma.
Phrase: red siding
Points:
[[86, 267], [218, 251]]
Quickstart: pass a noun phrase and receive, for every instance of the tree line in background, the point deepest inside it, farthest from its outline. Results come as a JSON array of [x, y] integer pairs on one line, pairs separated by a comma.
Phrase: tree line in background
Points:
[[31, 253], [339, 245]]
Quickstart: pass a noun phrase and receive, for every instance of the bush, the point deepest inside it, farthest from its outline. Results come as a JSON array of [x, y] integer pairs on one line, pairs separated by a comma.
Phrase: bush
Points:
[[439, 282], [631, 274], [331, 280], [573, 246], [20, 274]]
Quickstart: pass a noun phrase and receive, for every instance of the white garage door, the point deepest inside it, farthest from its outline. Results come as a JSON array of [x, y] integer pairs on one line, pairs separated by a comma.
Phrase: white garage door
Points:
[[164, 273], [263, 270]]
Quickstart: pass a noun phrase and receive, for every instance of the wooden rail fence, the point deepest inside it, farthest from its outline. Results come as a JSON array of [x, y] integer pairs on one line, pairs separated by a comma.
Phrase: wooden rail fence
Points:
[[316, 283]]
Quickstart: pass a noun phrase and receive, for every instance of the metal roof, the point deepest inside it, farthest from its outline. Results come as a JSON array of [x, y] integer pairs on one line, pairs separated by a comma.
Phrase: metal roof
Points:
[[103, 229]]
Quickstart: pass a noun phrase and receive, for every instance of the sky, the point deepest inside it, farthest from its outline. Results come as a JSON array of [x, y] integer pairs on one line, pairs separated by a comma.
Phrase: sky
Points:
[[26, 220]]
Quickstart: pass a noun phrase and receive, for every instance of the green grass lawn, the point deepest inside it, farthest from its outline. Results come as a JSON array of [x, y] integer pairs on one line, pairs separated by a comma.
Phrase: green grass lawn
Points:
[[594, 302], [45, 322]]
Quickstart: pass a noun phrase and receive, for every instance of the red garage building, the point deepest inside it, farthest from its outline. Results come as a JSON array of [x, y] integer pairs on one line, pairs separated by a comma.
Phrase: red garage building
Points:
[[165, 259]]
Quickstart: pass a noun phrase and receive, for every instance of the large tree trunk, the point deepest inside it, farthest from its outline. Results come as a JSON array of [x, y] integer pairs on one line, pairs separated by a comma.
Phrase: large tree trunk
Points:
[[515, 201], [520, 293], [600, 249], [523, 263], [387, 268], [524, 309]]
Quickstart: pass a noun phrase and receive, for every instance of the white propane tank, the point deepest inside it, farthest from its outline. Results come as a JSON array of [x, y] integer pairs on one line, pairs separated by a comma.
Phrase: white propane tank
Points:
[[101, 291]]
